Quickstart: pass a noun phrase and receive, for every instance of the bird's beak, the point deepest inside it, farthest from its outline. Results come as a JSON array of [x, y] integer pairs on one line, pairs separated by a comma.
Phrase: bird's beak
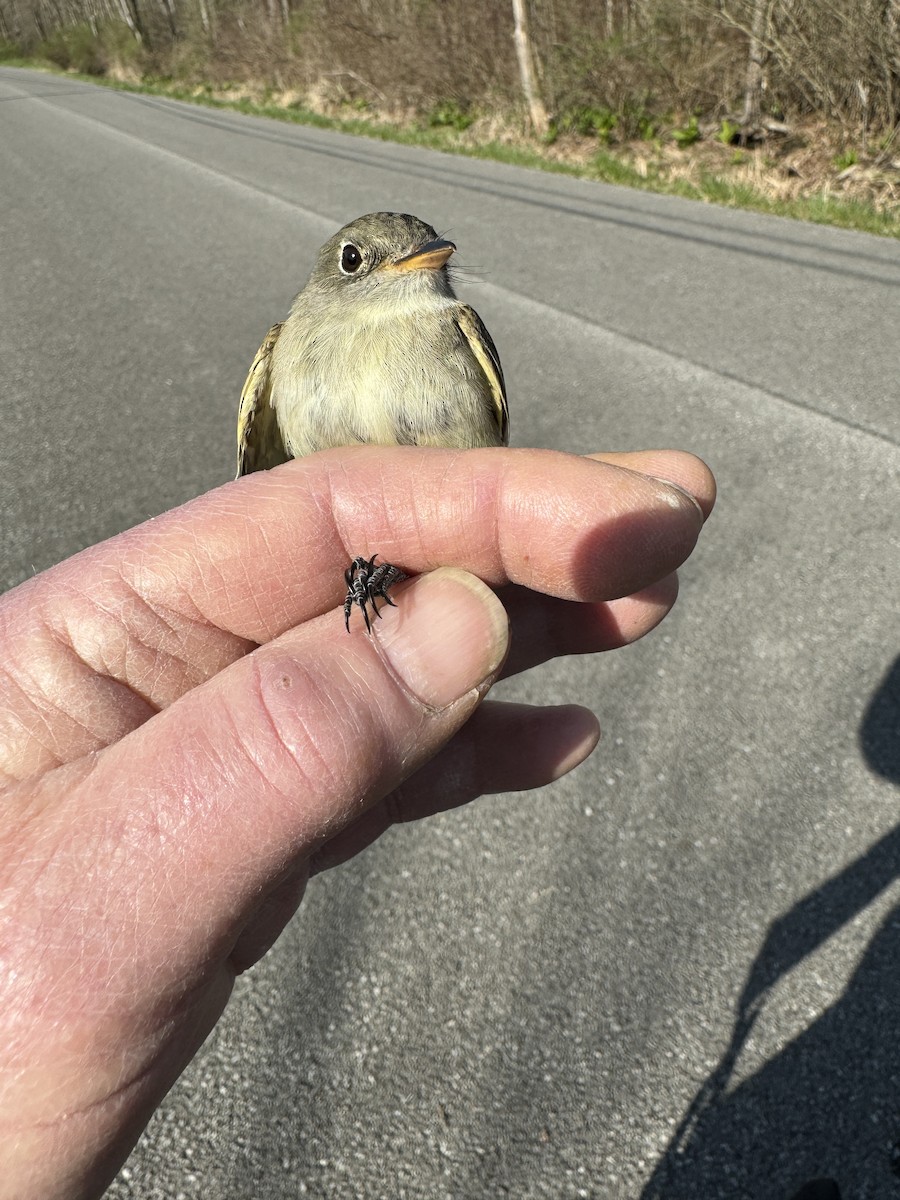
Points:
[[431, 256]]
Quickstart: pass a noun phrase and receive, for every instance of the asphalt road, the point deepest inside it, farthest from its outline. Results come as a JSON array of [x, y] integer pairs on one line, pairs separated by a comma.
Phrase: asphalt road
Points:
[[688, 987]]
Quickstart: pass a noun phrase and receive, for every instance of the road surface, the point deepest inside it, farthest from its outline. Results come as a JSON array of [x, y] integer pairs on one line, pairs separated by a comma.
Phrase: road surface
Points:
[[673, 974]]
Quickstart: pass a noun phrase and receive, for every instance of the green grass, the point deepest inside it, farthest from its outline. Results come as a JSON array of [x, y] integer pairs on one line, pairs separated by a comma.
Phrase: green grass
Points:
[[605, 166]]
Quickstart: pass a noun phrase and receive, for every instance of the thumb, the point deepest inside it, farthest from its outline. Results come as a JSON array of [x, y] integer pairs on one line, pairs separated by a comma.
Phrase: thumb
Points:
[[156, 854], [277, 752], [137, 870], [196, 816]]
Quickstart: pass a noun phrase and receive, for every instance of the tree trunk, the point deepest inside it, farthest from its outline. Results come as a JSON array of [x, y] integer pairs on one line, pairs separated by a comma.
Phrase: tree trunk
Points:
[[892, 20], [537, 110], [204, 16], [39, 25], [132, 18], [757, 56], [168, 7]]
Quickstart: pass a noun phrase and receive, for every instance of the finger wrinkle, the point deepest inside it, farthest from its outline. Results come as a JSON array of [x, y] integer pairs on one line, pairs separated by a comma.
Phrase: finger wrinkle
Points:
[[310, 768], [334, 742], [147, 643], [28, 743], [96, 658], [188, 571], [65, 709], [239, 744], [343, 509], [125, 641], [182, 575], [112, 677], [299, 740]]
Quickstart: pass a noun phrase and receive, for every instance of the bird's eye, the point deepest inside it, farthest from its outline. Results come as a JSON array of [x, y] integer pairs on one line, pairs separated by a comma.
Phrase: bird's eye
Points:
[[350, 259]]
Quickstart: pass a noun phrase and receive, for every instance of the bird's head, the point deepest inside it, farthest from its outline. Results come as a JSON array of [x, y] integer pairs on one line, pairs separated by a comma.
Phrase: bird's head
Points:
[[384, 258]]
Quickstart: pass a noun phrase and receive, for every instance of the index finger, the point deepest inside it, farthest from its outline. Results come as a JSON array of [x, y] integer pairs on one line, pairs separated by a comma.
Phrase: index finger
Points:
[[276, 543], [98, 644]]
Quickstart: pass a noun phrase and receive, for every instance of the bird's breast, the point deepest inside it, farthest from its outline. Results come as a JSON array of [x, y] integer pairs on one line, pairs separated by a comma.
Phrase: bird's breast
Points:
[[410, 380]]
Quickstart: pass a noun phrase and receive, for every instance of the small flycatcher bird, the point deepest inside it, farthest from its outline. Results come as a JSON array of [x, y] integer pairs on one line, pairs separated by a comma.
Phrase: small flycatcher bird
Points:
[[377, 349]]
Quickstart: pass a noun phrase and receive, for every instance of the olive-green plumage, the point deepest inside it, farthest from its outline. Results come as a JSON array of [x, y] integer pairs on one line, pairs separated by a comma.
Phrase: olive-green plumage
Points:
[[376, 349]]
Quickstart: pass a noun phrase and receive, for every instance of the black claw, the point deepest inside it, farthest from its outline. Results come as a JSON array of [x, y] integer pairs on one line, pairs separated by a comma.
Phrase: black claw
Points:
[[366, 583]]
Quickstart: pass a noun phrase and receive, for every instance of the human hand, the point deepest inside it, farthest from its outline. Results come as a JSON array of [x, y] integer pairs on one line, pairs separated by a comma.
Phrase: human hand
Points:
[[168, 793]]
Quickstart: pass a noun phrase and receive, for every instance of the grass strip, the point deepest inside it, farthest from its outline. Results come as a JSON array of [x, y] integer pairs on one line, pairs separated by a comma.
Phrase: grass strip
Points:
[[604, 167]]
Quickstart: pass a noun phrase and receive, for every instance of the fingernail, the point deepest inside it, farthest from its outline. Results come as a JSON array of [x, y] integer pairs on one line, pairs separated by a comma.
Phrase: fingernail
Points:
[[578, 735], [682, 493], [448, 634]]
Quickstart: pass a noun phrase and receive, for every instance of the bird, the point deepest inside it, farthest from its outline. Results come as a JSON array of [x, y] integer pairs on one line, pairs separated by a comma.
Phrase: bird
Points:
[[376, 350]]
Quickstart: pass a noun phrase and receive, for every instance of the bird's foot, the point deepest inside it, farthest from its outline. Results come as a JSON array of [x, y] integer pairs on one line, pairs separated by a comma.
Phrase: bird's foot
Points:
[[366, 582]]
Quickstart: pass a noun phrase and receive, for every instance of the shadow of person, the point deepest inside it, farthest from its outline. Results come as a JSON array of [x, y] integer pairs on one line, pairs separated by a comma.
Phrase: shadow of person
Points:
[[879, 733], [829, 1103]]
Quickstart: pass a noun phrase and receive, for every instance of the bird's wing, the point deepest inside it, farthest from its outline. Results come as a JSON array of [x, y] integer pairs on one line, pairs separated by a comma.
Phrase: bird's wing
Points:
[[482, 346], [259, 441]]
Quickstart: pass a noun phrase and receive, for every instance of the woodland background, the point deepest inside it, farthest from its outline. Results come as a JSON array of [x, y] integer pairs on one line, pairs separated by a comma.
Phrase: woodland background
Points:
[[813, 84]]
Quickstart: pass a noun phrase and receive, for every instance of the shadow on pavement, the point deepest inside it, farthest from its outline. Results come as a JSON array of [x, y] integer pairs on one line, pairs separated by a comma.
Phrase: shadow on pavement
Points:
[[829, 1103], [879, 734]]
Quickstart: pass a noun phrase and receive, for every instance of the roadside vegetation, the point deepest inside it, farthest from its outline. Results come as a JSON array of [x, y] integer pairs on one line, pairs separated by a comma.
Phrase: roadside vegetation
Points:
[[786, 106]]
